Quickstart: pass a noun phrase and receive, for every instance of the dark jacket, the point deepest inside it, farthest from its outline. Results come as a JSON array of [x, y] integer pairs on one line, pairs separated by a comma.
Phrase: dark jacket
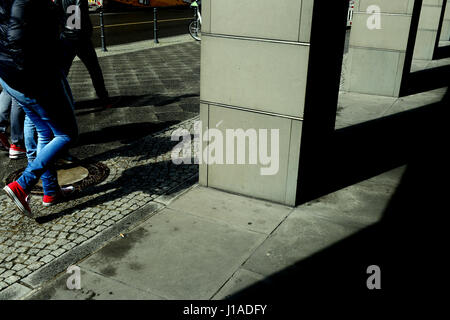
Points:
[[30, 49], [67, 14]]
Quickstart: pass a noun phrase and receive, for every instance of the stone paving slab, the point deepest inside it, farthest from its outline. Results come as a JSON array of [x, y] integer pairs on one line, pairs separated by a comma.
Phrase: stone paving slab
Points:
[[357, 206], [298, 238], [71, 257], [94, 287], [255, 215], [416, 101], [176, 255], [240, 280], [354, 108], [322, 222], [160, 72], [13, 291]]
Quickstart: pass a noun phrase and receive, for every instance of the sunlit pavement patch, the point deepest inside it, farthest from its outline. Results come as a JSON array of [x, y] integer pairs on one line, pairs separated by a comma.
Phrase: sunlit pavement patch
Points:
[[71, 175]]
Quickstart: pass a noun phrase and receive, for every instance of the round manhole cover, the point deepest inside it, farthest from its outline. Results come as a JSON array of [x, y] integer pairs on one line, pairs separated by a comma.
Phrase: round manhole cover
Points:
[[78, 175], [70, 176]]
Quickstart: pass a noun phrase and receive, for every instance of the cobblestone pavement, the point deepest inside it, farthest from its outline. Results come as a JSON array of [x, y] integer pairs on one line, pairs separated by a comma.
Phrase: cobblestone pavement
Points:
[[159, 71], [140, 171], [155, 87]]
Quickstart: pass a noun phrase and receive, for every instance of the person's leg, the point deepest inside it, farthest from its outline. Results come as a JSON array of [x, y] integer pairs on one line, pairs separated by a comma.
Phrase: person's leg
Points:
[[17, 122], [44, 137], [17, 149], [33, 144], [86, 53], [58, 116], [56, 126], [30, 136], [69, 53], [5, 105], [14, 190]]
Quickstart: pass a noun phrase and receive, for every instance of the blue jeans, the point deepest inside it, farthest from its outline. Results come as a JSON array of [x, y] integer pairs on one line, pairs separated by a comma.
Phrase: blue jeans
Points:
[[50, 115], [11, 113], [30, 139]]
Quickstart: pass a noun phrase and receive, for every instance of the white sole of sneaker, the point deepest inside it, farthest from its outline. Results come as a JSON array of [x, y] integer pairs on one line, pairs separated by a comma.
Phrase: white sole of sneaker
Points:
[[66, 192], [14, 155], [16, 201]]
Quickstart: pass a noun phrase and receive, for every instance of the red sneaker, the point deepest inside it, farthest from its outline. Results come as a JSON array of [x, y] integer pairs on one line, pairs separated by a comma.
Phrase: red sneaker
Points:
[[20, 198], [48, 201], [4, 142], [16, 152]]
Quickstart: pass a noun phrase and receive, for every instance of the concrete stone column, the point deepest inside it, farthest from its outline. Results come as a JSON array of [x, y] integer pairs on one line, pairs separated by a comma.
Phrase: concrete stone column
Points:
[[445, 30], [427, 33], [258, 72], [380, 56]]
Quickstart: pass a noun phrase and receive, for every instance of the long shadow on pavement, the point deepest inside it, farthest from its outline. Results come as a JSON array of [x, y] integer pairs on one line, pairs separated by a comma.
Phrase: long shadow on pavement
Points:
[[157, 100], [125, 133]]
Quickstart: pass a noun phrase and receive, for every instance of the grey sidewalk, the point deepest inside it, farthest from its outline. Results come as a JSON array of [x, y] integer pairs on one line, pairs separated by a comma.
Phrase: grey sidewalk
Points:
[[208, 244]]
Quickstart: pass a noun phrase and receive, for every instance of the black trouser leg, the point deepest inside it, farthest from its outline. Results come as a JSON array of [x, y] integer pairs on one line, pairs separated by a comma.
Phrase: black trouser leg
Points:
[[86, 53]]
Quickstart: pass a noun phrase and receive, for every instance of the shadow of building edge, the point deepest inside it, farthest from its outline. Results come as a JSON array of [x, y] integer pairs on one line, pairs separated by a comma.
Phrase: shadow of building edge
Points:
[[362, 151], [442, 52]]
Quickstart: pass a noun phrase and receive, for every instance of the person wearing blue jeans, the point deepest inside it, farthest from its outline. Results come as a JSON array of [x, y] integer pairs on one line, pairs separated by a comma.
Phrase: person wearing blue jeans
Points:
[[31, 73], [49, 178], [11, 115], [55, 131]]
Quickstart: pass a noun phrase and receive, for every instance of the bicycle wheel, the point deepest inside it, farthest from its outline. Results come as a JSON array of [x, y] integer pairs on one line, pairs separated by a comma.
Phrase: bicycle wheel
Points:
[[195, 30]]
